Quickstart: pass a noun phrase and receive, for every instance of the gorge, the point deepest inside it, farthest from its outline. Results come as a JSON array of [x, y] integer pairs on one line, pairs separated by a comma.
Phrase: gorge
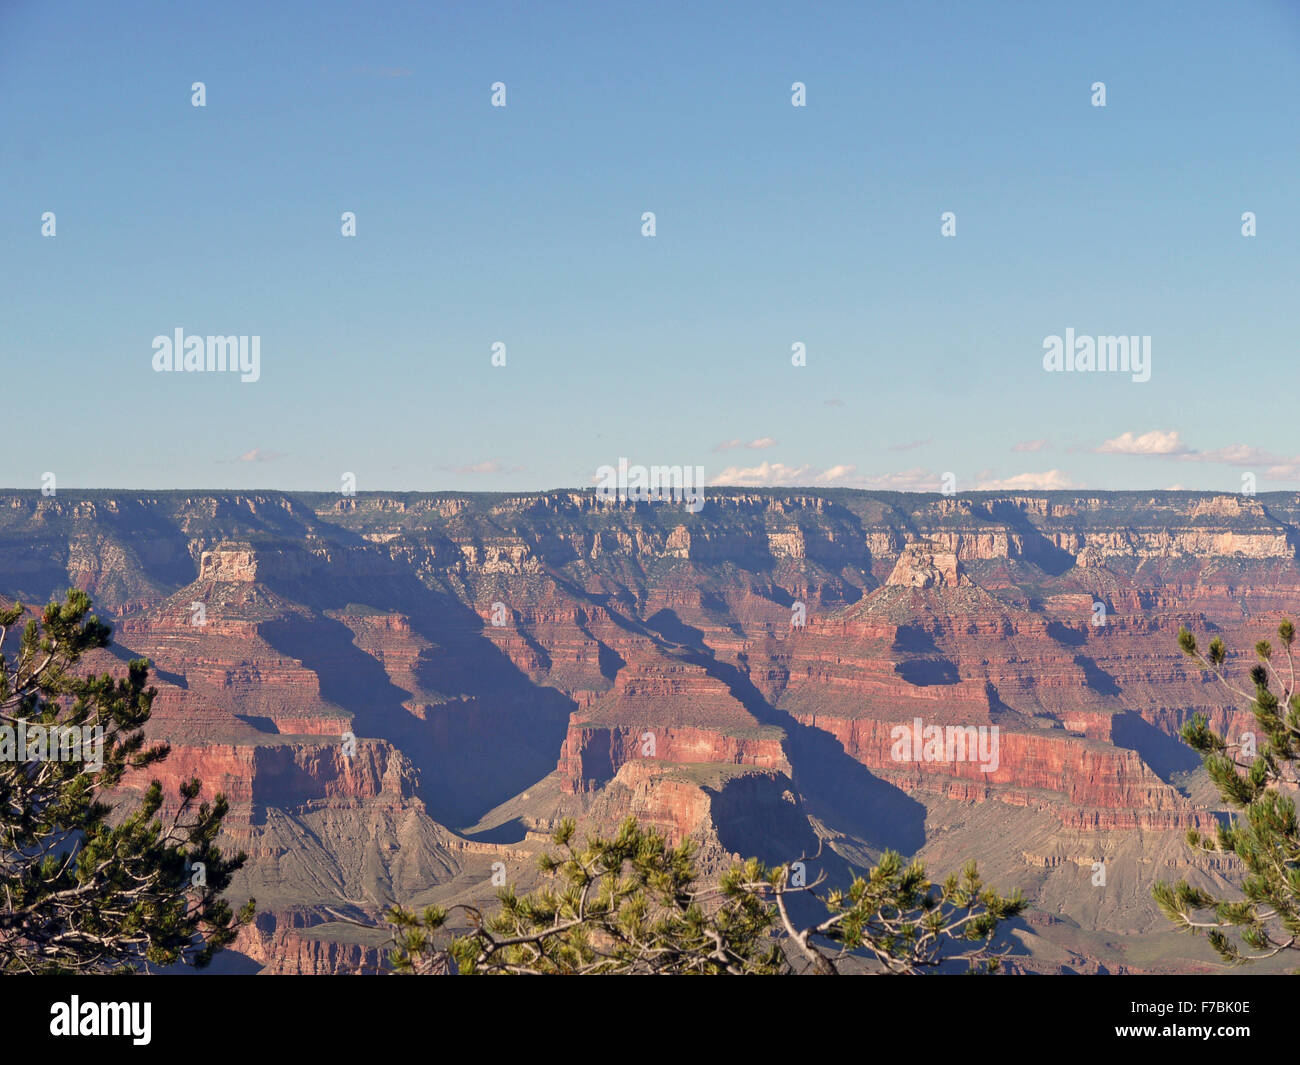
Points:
[[280, 624]]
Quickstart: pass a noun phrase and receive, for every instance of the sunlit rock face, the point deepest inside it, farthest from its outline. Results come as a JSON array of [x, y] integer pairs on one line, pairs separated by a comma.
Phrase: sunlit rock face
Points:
[[926, 565]]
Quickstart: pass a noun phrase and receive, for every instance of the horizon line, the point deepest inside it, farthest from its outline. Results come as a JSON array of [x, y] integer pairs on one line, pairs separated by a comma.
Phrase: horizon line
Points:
[[714, 489]]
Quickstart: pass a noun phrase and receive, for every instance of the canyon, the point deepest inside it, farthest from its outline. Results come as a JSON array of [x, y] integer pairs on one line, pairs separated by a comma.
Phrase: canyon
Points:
[[402, 694]]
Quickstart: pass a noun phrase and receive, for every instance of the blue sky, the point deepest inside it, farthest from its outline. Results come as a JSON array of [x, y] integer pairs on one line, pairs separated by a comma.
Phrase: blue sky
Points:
[[775, 225]]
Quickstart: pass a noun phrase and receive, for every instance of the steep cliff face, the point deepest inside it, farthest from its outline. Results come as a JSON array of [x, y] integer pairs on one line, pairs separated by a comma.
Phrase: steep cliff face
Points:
[[1084, 782], [591, 756], [292, 774], [355, 673], [302, 943]]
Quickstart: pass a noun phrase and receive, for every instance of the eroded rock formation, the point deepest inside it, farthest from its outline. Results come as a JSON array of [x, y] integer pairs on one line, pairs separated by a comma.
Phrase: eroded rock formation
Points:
[[403, 694]]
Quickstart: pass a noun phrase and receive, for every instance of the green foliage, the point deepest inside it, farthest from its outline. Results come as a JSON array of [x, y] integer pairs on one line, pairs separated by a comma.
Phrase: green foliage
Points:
[[635, 905], [1254, 778], [88, 884]]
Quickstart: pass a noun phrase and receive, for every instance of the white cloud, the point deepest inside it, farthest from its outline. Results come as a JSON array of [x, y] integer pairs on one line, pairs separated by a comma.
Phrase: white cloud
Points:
[[835, 474], [917, 479], [1031, 482], [765, 474], [1168, 445], [1156, 442], [842, 475], [1286, 472], [1029, 445], [753, 445], [1240, 455]]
